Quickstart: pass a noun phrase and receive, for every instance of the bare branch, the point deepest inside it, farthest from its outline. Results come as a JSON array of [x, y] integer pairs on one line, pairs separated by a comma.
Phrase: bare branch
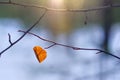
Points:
[[62, 10], [74, 48], [24, 33], [9, 2], [10, 39], [98, 52], [50, 46]]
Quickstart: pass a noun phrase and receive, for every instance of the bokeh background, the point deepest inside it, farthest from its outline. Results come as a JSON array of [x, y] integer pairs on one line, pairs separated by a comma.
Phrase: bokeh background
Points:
[[101, 29]]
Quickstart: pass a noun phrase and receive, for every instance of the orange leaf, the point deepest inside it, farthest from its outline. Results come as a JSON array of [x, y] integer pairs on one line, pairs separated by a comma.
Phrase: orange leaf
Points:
[[40, 53]]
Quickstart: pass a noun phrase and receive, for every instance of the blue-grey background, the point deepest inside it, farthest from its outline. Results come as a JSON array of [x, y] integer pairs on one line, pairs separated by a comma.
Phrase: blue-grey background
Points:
[[20, 63]]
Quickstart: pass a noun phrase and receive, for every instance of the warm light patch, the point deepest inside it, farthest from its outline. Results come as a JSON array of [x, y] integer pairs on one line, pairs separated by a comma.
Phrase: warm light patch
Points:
[[40, 53], [56, 3]]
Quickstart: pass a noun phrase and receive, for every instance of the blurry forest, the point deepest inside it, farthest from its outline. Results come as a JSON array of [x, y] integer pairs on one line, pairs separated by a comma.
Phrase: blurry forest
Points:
[[90, 29]]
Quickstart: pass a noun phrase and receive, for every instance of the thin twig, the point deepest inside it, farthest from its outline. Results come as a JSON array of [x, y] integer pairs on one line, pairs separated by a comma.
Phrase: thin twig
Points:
[[10, 39], [24, 33], [74, 48], [62, 10], [58, 10], [50, 46]]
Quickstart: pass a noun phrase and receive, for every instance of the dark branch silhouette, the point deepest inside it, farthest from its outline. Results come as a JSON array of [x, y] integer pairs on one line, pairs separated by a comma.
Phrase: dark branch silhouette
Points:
[[10, 2], [13, 43], [61, 10], [72, 47], [10, 39]]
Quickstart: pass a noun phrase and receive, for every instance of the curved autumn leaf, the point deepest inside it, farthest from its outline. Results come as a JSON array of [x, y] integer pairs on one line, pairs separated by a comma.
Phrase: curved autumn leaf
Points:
[[40, 53]]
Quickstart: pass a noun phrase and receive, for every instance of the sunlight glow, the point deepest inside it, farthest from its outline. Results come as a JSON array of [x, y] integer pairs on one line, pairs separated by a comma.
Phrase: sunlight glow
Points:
[[57, 3]]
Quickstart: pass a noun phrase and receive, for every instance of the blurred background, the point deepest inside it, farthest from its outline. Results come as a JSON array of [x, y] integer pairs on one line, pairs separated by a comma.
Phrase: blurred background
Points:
[[95, 29]]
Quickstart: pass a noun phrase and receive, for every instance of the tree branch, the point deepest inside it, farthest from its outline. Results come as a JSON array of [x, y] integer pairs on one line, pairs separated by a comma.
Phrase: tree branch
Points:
[[10, 39], [9, 2], [74, 48], [51, 46], [13, 43], [61, 10]]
